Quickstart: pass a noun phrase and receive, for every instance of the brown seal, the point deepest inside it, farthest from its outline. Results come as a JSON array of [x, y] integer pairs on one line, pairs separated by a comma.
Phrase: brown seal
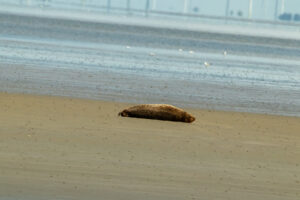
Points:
[[158, 111]]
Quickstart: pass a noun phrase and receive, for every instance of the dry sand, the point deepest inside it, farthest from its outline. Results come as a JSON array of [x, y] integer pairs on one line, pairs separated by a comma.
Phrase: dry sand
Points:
[[63, 148]]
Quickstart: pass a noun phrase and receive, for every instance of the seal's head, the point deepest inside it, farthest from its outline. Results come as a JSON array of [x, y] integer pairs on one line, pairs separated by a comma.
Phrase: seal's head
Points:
[[124, 113]]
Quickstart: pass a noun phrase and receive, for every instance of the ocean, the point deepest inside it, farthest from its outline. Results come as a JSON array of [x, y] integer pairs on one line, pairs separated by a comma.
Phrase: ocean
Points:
[[141, 63]]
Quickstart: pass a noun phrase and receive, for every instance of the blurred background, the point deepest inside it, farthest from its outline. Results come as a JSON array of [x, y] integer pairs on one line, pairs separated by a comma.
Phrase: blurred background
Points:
[[240, 55], [260, 11]]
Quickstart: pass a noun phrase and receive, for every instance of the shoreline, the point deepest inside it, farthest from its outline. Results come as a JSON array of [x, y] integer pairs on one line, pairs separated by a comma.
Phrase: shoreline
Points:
[[189, 107], [149, 65], [66, 148], [255, 31]]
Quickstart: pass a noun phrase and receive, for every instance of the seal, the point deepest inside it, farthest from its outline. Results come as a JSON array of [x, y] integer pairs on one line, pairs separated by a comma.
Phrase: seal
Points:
[[158, 111]]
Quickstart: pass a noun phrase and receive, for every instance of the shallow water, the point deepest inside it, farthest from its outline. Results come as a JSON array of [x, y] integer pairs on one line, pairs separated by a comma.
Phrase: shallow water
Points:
[[149, 65]]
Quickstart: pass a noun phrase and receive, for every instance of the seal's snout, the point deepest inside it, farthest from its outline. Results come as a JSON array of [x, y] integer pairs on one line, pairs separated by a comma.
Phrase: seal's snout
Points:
[[123, 113]]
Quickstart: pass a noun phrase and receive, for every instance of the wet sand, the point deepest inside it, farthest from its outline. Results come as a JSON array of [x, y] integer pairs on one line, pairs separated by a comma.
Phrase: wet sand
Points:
[[64, 148]]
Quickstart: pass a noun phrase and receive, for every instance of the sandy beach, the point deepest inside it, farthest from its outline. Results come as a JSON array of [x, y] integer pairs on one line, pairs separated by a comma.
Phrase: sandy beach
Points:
[[64, 78], [65, 148]]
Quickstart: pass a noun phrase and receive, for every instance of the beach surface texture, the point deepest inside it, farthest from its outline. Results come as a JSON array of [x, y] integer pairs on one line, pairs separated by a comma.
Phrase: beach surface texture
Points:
[[67, 148]]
